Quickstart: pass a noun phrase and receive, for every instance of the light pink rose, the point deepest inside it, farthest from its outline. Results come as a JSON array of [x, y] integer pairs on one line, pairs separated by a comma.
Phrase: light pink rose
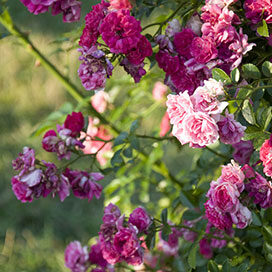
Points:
[[99, 101], [159, 91], [92, 146], [197, 128], [178, 106], [205, 102], [224, 196], [233, 174], [165, 125], [242, 218], [214, 87]]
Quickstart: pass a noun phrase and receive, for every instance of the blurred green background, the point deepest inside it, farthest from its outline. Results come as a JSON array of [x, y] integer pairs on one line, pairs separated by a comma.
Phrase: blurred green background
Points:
[[33, 236]]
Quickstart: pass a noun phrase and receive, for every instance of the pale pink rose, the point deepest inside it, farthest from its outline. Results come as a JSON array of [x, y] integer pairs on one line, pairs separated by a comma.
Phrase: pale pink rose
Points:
[[165, 125], [173, 28], [220, 3], [214, 87], [242, 218], [233, 174], [197, 128], [204, 101], [224, 196], [159, 91], [99, 101], [92, 146], [178, 106]]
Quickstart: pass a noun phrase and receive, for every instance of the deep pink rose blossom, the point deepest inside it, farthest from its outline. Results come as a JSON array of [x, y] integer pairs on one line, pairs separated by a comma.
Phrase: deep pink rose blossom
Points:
[[243, 151], [74, 122], [76, 257], [242, 218], [205, 248], [140, 219]]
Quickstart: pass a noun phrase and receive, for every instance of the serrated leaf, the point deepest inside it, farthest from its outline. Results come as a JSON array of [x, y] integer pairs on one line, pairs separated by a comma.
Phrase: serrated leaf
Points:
[[251, 71], [263, 29], [220, 75], [267, 68], [235, 75], [192, 256], [164, 216], [247, 112]]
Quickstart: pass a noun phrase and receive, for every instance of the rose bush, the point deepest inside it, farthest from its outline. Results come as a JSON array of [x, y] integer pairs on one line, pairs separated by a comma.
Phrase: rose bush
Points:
[[198, 218]]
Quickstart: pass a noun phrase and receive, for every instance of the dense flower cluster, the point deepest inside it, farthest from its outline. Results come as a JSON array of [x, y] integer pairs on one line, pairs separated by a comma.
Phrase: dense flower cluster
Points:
[[65, 140], [188, 54], [197, 119], [118, 241], [223, 207], [122, 34], [94, 69], [37, 179], [69, 8]]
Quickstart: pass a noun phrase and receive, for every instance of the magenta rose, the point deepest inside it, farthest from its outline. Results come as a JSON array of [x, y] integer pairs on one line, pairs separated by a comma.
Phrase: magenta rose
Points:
[[140, 219], [74, 122]]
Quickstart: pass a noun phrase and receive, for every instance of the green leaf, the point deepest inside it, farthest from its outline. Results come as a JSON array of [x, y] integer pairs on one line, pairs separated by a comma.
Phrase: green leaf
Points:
[[134, 126], [256, 220], [244, 92], [150, 240], [248, 113], [267, 68], [135, 144], [164, 216], [190, 215], [185, 201], [128, 152], [267, 116], [121, 139], [220, 75], [117, 159], [267, 233], [192, 256], [235, 75], [263, 29], [212, 266], [226, 266], [165, 232], [251, 71]]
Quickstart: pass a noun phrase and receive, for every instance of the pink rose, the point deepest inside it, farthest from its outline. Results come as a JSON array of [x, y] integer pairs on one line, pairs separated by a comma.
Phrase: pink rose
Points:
[[74, 122], [178, 106], [242, 218], [140, 219], [233, 174], [203, 49], [224, 196], [159, 90], [197, 128], [243, 151], [205, 248], [99, 101], [165, 125]]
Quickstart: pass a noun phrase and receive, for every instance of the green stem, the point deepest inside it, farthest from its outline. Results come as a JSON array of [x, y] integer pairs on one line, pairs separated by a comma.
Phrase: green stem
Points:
[[217, 153]]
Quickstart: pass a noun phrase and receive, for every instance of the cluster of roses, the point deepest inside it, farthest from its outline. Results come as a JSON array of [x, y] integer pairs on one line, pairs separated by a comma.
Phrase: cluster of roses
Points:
[[223, 207], [197, 119], [122, 34], [118, 241], [187, 55], [69, 8], [40, 178], [258, 10]]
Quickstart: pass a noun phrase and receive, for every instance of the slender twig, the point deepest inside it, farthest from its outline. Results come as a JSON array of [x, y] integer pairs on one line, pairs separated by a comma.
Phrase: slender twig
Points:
[[217, 153]]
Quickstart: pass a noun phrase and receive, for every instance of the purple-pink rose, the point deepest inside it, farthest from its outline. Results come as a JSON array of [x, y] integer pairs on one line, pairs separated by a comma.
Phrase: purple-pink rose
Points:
[[140, 219]]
